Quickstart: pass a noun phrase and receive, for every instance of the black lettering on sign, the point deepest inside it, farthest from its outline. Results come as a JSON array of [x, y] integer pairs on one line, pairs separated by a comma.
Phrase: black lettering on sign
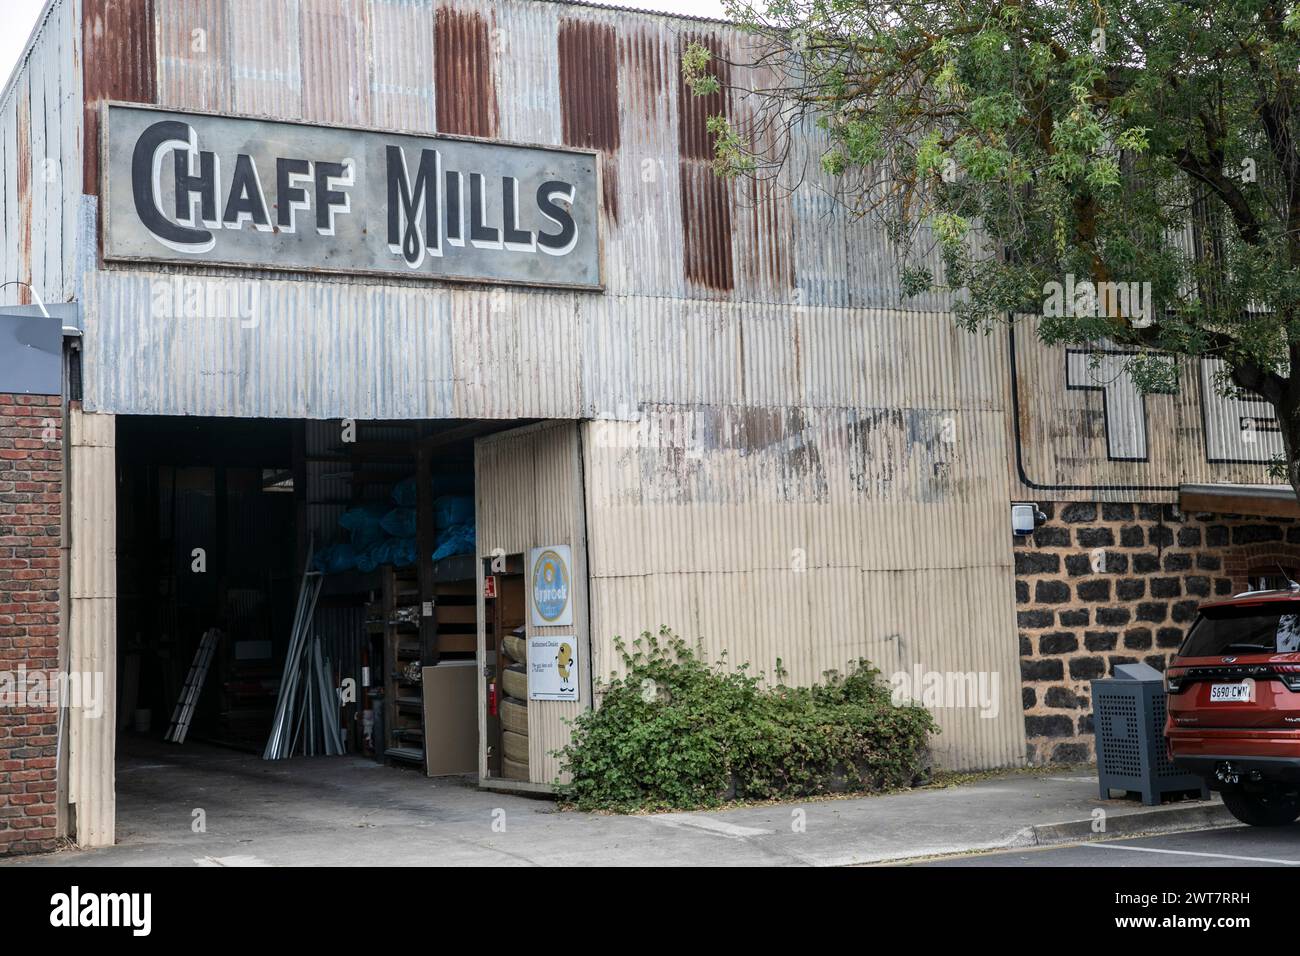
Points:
[[146, 185], [562, 242], [480, 233], [289, 194], [412, 212], [247, 201]]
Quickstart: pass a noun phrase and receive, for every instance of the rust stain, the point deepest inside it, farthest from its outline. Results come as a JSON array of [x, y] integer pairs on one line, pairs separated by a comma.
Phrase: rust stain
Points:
[[609, 186], [464, 94], [771, 235], [706, 197], [694, 111], [588, 54], [588, 85], [706, 221], [642, 62], [117, 38], [24, 164]]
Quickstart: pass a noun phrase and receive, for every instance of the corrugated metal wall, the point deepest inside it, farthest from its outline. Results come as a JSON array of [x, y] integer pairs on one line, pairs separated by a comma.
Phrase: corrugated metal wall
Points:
[[672, 230], [92, 627], [1079, 428], [759, 315], [813, 537], [40, 141], [759, 328], [527, 494]]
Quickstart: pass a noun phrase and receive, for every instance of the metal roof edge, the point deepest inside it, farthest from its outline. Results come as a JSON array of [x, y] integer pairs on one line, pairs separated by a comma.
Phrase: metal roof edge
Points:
[[1280, 492], [645, 11]]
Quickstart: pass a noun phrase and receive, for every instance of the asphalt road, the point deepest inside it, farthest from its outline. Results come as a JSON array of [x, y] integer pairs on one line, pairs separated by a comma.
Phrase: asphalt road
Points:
[[1226, 847]]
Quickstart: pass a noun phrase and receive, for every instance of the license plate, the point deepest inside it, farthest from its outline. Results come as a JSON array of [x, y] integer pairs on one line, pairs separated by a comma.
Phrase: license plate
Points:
[[1227, 693]]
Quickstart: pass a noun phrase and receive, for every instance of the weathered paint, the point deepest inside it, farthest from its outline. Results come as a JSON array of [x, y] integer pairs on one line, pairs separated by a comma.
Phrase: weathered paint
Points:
[[118, 38], [23, 157], [463, 83], [1078, 428], [333, 44], [194, 56], [589, 97], [774, 390], [706, 201], [92, 625], [40, 169], [528, 493], [360, 229], [401, 58], [862, 530]]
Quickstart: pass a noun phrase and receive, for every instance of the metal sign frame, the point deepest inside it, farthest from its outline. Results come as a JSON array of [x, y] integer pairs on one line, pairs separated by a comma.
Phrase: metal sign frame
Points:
[[110, 190]]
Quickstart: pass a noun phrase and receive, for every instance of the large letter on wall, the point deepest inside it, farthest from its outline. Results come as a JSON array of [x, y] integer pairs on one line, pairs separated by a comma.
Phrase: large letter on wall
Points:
[[92, 625], [1236, 429]]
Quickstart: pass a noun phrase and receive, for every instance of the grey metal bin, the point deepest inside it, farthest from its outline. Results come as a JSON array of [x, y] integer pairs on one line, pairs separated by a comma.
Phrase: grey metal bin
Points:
[[1128, 717]]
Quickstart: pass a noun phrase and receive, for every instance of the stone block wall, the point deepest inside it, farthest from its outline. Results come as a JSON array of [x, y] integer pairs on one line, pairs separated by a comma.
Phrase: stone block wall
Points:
[[1100, 585]]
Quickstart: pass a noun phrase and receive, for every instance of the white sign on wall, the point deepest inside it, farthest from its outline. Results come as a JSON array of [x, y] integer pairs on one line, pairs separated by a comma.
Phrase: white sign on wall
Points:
[[553, 667], [550, 586]]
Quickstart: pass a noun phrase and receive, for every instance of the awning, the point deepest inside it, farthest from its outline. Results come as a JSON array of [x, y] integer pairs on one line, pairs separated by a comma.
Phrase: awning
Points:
[[1271, 501]]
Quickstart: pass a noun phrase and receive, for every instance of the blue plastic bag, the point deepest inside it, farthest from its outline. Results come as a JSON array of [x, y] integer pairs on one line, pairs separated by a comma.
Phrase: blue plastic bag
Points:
[[458, 539], [404, 495], [399, 552], [363, 523], [452, 510], [366, 560], [335, 559], [400, 522]]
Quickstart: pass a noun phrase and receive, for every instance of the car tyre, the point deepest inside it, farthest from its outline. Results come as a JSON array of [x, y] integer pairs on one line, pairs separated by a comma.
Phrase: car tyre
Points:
[[1266, 808]]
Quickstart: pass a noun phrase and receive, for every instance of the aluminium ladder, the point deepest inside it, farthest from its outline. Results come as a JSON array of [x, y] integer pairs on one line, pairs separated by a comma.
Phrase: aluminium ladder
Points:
[[189, 698]]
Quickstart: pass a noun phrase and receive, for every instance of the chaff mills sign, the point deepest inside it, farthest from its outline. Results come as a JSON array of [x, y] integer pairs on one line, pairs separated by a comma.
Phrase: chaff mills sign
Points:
[[219, 190]]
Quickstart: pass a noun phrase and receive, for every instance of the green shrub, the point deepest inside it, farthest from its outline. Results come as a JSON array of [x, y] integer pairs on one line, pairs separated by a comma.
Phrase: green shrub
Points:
[[675, 733]]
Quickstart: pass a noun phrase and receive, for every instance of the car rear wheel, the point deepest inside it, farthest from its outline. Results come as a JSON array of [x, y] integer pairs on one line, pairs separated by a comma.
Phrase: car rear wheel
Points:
[[1265, 808]]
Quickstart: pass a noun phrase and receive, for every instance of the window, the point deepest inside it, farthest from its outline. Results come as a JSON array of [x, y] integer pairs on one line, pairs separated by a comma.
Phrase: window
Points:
[[1242, 630]]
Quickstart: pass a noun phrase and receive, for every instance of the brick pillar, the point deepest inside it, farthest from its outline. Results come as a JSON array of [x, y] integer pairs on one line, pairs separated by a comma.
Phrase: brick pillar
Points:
[[1258, 554], [31, 482]]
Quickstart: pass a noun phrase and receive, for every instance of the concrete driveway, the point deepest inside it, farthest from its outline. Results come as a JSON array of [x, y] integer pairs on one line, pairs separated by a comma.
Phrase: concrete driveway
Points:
[[197, 805]]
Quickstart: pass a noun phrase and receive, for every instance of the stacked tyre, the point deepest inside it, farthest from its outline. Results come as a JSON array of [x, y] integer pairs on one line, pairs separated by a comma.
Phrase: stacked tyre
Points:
[[514, 709]]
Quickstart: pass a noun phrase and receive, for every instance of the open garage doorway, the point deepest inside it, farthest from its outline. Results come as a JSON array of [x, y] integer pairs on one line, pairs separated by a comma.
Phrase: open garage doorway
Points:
[[218, 520]]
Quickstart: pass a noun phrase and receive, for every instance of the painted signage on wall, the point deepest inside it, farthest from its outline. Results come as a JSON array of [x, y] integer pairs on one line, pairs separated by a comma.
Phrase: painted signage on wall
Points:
[[550, 585], [1237, 429], [220, 190], [1082, 423], [553, 667]]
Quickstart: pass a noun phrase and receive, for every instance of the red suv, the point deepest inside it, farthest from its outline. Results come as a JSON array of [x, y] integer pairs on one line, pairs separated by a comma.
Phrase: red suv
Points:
[[1234, 704]]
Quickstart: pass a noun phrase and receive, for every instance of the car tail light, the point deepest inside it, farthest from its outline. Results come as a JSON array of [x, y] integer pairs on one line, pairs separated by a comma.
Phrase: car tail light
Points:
[[1174, 679], [1289, 675]]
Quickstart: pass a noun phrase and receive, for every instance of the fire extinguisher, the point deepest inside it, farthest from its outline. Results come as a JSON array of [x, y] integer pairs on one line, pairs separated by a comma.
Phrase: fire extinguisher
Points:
[[492, 698]]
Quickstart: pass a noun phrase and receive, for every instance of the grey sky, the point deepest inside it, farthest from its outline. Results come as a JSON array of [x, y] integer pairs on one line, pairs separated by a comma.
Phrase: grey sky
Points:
[[20, 16]]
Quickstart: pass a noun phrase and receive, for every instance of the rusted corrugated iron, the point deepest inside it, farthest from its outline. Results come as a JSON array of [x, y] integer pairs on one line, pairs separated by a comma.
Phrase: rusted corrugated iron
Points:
[[589, 96], [465, 91], [706, 221], [706, 199], [120, 64]]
